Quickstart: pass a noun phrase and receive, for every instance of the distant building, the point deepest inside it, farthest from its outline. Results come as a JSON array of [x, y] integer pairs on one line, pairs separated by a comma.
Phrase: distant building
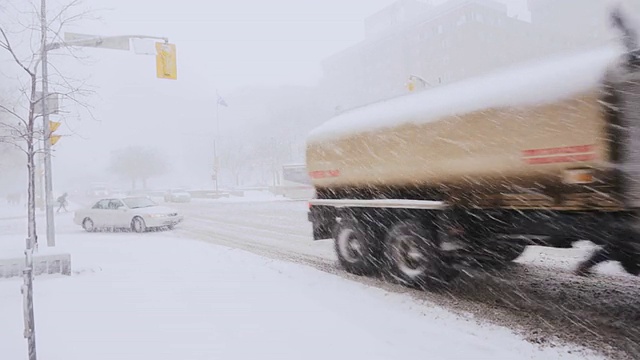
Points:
[[395, 15], [572, 23], [454, 41], [440, 44]]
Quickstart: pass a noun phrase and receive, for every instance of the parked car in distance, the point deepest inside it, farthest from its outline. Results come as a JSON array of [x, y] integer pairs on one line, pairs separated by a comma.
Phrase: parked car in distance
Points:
[[135, 213], [209, 194], [177, 195]]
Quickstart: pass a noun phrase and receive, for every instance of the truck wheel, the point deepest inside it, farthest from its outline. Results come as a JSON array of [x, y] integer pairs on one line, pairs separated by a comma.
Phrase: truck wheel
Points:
[[353, 248], [413, 255]]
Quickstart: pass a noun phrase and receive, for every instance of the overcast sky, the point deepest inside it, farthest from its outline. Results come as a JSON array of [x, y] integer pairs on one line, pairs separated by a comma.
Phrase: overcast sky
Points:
[[247, 42]]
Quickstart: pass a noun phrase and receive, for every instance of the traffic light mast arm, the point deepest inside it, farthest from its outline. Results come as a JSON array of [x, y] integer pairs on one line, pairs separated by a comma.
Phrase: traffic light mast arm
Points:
[[99, 40]]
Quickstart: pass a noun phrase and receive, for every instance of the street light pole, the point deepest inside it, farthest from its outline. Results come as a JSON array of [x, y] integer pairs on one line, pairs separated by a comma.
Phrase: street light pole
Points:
[[215, 137], [424, 82], [48, 179]]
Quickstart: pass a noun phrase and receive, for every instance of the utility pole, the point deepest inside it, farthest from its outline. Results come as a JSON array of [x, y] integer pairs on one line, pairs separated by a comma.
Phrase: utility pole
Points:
[[216, 164], [48, 179]]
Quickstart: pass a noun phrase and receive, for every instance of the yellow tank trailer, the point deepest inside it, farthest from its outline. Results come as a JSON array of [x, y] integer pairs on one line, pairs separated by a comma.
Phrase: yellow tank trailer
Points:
[[545, 153]]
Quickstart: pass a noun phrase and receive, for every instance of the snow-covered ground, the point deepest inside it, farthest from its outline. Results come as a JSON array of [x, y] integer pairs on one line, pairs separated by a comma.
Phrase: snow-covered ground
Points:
[[249, 196], [12, 211], [156, 296]]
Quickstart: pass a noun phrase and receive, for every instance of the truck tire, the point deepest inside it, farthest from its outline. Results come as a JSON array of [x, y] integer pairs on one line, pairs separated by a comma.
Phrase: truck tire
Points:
[[413, 255], [354, 247]]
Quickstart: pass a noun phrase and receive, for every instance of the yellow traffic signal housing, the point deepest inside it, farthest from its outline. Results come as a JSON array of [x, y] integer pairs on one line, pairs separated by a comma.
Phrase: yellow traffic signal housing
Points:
[[166, 66], [54, 139], [53, 126]]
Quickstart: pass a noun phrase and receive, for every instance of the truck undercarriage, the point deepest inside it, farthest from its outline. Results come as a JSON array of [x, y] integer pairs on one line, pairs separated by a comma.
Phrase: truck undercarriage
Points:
[[421, 242]]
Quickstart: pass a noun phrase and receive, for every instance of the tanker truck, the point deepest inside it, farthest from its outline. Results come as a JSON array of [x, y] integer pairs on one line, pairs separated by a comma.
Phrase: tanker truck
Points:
[[546, 153]]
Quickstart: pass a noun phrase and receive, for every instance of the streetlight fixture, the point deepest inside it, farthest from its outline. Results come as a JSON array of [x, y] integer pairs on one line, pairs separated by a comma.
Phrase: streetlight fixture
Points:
[[411, 83]]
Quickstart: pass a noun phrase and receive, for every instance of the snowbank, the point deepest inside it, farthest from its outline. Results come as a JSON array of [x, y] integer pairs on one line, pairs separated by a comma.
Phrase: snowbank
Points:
[[249, 197], [535, 83], [13, 211], [154, 297]]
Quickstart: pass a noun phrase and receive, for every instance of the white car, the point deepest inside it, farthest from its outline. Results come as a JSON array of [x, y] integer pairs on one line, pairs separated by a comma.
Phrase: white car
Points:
[[135, 213]]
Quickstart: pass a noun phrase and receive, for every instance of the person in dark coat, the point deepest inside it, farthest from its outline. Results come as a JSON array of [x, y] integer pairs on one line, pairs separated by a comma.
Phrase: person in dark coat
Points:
[[62, 202]]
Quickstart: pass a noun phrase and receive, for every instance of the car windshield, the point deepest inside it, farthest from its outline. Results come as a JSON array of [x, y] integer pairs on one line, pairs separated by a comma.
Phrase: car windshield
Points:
[[137, 203]]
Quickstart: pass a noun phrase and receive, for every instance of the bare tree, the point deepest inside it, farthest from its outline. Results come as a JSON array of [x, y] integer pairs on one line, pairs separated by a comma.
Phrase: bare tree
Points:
[[274, 152], [24, 42], [235, 158], [136, 163]]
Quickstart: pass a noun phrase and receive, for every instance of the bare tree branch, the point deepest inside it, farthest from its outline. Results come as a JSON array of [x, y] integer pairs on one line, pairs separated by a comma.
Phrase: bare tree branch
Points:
[[62, 11], [11, 112], [6, 44]]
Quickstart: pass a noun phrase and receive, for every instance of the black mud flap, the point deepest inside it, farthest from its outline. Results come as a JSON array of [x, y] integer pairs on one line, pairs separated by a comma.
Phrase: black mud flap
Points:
[[323, 220]]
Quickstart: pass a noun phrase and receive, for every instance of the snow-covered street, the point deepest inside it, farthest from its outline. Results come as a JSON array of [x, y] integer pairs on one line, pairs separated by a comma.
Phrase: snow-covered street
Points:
[[601, 312], [164, 296]]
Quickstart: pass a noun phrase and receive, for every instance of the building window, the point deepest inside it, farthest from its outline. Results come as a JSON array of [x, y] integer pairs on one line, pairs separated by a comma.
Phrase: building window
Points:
[[440, 29], [480, 18], [462, 20]]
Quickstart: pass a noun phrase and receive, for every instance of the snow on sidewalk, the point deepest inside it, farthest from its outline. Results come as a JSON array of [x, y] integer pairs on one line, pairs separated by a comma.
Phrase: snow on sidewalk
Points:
[[152, 296]]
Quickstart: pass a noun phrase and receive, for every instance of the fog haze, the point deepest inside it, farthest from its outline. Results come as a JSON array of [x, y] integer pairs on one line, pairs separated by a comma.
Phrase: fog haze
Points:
[[258, 56]]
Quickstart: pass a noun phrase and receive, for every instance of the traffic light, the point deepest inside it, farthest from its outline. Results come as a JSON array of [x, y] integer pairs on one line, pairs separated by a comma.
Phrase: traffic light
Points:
[[53, 126], [166, 66], [411, 85]]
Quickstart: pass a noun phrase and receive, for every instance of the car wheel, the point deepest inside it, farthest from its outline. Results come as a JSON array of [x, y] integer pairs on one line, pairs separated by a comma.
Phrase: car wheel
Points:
[[88, 225], [138, 225]]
